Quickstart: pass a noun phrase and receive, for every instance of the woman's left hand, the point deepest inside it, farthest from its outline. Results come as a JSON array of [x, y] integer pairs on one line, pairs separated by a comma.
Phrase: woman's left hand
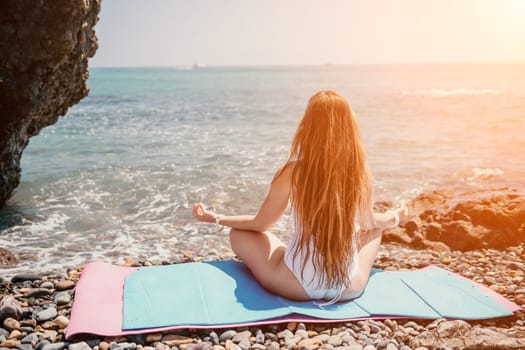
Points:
[[201, 214]]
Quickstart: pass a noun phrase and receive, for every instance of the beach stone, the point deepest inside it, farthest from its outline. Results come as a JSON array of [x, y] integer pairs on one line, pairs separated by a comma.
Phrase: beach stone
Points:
[[47, 285], [47, 314], [50, 334], [310, 342], [15, 334], [259, 337], [291, 341], [10, 343], [103, 345], [227, 335], [335, 340], [49, 325], [301, 333], [369, 347], [10, 324], [322, 337], [37, 293], [62, 298], [10, 307], [30, 339], [61, 321], [285, 334], [28, 323], [126, 346], [244, 344], [273, 346], [326, 347], [23, 277], [24, 347], [354, 346], [54, 346], [214, 338], [391, 346], [79, 346], [242, 336], [234, 346], [258, 346], [41, 344], [64, 285], [153, 337], [175, 339]]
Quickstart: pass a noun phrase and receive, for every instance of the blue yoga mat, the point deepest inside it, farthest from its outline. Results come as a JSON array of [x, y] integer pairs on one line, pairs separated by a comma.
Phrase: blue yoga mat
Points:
[[225, 292]]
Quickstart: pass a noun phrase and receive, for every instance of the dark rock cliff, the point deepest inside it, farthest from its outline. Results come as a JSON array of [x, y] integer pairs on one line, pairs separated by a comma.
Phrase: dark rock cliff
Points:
[[44, 51]]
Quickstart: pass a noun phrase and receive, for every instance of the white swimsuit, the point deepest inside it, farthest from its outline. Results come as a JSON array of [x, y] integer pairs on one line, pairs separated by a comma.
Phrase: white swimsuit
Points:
[[307, 276]]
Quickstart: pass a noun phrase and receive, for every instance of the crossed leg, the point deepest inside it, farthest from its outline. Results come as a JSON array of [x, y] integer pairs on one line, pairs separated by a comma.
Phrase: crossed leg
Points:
[[263, 254]]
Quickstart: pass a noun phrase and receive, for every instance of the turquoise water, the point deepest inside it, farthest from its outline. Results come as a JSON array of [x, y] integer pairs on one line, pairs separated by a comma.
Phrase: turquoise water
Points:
[[117, 176]]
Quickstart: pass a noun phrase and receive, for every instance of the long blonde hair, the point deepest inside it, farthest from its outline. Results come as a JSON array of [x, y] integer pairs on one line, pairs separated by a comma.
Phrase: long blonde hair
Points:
[[331, 185]]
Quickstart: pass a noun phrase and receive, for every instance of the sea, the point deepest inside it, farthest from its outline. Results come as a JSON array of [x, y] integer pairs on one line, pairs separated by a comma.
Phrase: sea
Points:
[[116, 177]]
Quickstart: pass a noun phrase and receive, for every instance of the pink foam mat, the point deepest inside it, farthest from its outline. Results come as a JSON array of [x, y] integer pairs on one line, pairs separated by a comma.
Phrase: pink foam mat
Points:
[[97, 307]]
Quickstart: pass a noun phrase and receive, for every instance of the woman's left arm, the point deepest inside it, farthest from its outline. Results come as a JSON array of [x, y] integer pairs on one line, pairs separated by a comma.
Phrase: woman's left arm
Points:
[[269, 213]]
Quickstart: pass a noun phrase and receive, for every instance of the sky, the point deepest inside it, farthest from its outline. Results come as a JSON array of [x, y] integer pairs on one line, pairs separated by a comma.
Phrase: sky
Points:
[[305, 32]]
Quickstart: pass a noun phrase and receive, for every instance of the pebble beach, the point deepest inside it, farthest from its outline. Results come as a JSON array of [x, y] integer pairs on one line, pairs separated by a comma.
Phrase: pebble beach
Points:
[[115, 180], [35, 312]]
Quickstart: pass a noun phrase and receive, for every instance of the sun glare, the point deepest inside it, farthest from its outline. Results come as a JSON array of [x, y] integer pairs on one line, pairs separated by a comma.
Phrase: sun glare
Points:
[[514, 8]]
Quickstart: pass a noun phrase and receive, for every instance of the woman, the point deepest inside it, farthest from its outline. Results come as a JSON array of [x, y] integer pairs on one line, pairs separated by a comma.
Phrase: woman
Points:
[[337, 234]]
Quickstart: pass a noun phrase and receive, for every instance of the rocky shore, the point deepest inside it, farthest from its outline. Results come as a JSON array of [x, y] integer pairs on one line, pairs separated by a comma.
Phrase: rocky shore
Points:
[[34, 313], [451, 220]]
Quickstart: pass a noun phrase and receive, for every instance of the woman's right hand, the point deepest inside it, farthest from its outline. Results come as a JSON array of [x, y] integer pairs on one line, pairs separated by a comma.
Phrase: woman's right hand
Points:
[[201, 214]]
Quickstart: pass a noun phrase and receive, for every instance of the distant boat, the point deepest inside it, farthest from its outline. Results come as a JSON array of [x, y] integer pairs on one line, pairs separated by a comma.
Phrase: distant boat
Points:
[[198, 66]]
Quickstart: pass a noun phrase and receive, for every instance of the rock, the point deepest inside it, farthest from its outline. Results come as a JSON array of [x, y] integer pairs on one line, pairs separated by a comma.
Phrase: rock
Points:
[[242, 336], [302, 333], [62, 298], [486, 338], [61, 321], [10, 343], [79, 346], [30, 339], [7, 259], [464, 221], [24, 347], [354, 346], [37, 293], [175, 339], [227, 335], [335, 340], [22, 277], [43, 70], [47, 314], [273, 346], [64, 285], [11, 323], [309, 342], [47, 285], [54, 346], [10, 307], [15, 334]]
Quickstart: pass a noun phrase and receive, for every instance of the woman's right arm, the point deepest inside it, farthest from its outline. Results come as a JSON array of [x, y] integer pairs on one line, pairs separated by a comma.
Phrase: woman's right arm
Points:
[[268, 214]]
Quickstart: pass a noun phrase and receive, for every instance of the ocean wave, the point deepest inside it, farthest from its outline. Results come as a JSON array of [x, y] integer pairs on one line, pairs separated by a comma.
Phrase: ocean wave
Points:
[[452, 92], [480, 175]]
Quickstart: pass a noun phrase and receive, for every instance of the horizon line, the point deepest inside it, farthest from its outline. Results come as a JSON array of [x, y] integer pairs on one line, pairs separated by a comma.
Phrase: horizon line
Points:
[[199, 65]]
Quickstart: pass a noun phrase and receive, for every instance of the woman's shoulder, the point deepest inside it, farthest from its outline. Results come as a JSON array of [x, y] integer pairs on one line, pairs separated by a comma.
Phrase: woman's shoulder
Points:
[[285, 171]]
